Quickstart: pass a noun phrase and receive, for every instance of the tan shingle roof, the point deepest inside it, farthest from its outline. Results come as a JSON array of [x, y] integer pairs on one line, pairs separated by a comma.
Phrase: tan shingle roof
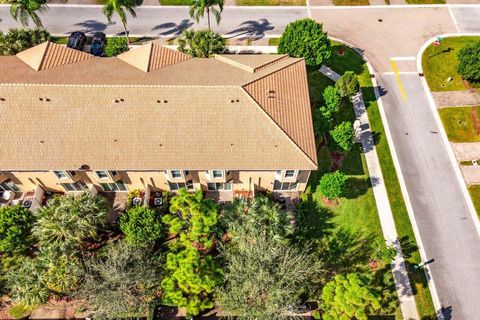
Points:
[[50, 55], [284, 96], [152, 56], [250, 62], [199, 127]]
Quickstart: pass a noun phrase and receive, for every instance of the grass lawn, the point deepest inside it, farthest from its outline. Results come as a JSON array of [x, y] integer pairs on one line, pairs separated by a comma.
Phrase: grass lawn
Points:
[[270, 2], [351, 61], [425, 1], [273, 41], [474, 191], [175, 2], [440, 63], [350, 2], [459, 123]]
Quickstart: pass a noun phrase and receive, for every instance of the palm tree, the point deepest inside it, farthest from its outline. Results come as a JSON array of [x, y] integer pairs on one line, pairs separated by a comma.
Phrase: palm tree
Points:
[[66, 221], [199, 7], [22, 10], [119, 7], [201, 44]]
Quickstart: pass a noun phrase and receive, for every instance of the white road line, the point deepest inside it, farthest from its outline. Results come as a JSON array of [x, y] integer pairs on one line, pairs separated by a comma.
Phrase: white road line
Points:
[[452, 15], [403, 58]]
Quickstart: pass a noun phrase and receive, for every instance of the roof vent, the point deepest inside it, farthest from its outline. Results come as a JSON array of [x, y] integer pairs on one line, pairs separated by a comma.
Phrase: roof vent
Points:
[[165, 101], [271, 94], [2, 99]]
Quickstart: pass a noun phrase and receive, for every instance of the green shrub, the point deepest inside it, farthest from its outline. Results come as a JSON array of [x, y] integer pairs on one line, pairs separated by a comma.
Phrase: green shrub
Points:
[[141, 226], [116, 46], [342, 135], [16, 40], [469, 62], [306, 39], [332, 98], [348, 84], [19, 311], [15, 225], [332, 185], [349, 297], [202, 44], [26, 284]]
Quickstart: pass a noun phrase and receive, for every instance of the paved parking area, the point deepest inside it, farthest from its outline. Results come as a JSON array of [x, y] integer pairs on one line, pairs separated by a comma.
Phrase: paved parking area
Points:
[[468, 18]]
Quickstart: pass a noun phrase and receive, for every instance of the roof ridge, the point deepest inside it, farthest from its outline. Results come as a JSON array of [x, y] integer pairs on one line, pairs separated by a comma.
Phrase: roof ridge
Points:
[[149, 62], [274, 71], [43, 56], [279, 127]]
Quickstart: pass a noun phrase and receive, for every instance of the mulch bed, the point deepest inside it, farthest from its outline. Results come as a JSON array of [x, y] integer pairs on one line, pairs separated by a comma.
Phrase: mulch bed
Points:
[[476, 120], [337, 160], [330, 202]]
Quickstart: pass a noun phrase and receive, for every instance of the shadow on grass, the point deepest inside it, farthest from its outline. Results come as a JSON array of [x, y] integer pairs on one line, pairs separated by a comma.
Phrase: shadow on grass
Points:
[[357, 187], [352, 162]]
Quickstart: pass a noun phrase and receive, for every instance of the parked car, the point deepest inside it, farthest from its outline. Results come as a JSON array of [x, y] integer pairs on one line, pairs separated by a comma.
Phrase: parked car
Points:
[[77, 40], [98, 44]]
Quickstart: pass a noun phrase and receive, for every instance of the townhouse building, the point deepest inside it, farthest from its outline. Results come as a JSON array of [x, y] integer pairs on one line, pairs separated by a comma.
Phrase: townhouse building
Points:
[[154, 119]]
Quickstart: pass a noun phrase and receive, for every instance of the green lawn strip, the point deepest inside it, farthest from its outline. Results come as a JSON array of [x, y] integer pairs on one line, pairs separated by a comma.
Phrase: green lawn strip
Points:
[[439, 63], [425, 1], [273, 41], [474, 191], [459, 123], [352, 61], [175, 2], [270, 2], [350, 2]]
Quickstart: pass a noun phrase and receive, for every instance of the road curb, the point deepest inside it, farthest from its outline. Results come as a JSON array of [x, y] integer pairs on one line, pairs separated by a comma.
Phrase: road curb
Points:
[[403, 187]]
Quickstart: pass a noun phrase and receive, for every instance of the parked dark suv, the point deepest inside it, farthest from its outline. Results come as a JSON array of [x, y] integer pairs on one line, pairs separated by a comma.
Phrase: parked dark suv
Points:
[[99, 41], [77, 40]]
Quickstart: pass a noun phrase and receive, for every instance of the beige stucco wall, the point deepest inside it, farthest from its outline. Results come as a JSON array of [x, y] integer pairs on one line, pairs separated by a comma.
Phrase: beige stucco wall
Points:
[[157, 180]]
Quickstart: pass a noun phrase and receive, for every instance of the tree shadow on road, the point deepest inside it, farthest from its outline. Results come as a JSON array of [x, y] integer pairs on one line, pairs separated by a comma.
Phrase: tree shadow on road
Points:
[[251, 30], [173, 29]]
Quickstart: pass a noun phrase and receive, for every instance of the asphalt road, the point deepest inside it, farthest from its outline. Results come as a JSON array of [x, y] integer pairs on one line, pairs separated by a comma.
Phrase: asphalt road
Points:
[[445, 224], [163, 21]]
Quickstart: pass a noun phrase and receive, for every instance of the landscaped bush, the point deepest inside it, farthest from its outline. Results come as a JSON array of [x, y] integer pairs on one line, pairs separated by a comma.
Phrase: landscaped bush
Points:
[[469, 62], [19, 311], [343, 135], [142, 226], [15, 225], [306, 39], [332, 185], [66, 221], [332, 98], [348, 84], [26, 283], [116, 46], [349, 297], [202, 44], [16, 40]]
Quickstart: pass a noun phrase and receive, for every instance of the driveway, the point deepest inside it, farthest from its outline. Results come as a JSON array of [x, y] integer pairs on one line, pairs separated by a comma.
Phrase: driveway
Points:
[[445, 224]]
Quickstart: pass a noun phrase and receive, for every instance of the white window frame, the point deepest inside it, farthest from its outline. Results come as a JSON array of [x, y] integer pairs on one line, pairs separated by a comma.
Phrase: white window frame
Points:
[[76, 186], [285, 183], [116, 189], [282, 175], [65, 174], [13, 187], [103, 178], [216, 184], [180, 172], [222, 174]]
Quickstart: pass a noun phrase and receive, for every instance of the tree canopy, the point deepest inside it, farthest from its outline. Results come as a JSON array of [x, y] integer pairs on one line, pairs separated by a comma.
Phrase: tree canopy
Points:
[[469, 62], [201, 44], [349, 297], [15, 226], [332, 184], [142, 226], [23, 10], [17, 40], [343, 135], [348, 84], [264, 278], [121, 283], [306, 39], [199, 7]]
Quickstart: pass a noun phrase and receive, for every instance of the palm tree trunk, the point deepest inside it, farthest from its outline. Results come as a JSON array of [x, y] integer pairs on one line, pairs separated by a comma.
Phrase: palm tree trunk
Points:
[[208, 18], [126, 32]]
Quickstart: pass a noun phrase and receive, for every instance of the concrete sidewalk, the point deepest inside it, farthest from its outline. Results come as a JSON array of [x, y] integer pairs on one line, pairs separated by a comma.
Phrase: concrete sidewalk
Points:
[[399, 270]]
